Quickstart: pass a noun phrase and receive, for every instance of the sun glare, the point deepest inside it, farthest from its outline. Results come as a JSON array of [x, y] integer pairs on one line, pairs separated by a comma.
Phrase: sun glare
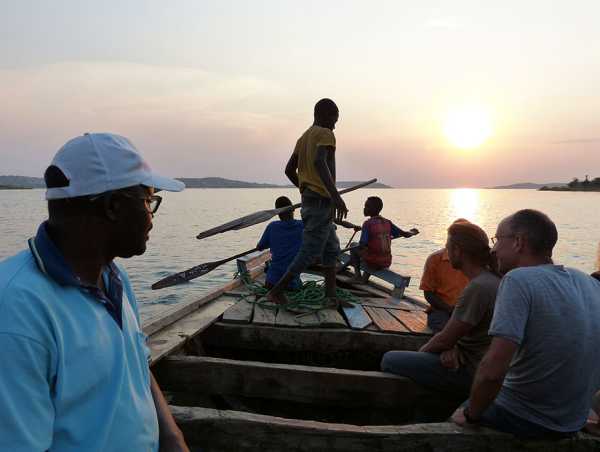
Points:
[[467, 128]]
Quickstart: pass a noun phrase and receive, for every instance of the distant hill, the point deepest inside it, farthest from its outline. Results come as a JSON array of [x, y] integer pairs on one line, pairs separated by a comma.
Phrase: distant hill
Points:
[[219, 182], [529, 186], [22, 182], [190, 182]]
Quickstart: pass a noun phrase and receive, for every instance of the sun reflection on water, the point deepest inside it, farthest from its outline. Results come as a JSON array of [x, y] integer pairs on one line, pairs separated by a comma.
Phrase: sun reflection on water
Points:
[[464, 203]]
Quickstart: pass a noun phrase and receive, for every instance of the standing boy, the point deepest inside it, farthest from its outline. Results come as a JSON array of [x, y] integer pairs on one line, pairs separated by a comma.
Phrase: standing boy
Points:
[[376, 239], [283, 238], [311, 168]]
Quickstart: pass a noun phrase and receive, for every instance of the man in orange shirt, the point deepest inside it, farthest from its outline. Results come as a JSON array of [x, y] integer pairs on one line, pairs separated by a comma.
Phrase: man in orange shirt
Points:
[[441, 285]]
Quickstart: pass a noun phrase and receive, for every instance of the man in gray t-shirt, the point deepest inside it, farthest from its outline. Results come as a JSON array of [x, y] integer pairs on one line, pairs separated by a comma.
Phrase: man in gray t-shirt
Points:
[[543, 366]]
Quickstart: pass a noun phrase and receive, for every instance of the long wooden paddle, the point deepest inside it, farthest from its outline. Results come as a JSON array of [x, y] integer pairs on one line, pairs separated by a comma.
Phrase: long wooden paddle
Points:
[[265, 215], [194, 272]]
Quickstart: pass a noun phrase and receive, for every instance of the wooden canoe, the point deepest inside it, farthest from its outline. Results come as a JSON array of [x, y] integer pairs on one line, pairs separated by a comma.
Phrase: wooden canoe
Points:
[[241, 377]]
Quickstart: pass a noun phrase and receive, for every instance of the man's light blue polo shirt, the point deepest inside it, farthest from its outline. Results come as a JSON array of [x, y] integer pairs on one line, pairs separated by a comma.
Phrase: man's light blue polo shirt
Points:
[[72, 378]]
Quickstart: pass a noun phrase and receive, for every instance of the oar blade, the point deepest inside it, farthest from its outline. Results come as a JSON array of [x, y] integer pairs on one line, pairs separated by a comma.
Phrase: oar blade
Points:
[[185, 276], [240, 223]]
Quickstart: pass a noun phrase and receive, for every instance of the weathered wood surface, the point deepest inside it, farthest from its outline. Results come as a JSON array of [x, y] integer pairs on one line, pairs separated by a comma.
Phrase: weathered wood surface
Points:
[[416, 322], [356, 316], [241, 312], [390, 303], [330, 340], [213, 430], [178, 333], [253, 260], [331, 318], [285, 318], [306, 384], [182, 309], [369, 288], [264, 315], [385, 321]]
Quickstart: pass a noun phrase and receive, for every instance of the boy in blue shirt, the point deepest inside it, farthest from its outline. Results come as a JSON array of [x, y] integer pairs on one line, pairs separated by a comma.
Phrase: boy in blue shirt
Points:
[[284, 239]]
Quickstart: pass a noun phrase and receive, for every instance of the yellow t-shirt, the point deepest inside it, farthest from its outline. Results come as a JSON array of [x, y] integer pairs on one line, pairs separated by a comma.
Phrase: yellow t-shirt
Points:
[[306, 150]]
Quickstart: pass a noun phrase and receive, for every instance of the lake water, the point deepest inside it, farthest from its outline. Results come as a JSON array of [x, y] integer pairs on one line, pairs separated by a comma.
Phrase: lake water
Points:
[[173, 246]]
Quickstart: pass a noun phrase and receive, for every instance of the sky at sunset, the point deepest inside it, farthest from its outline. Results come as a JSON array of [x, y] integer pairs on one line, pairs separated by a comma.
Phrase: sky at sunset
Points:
[[224, 88]]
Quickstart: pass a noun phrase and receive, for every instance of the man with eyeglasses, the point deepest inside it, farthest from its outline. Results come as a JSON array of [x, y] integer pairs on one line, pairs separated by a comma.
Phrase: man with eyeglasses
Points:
[[75, 373], [539, 375]]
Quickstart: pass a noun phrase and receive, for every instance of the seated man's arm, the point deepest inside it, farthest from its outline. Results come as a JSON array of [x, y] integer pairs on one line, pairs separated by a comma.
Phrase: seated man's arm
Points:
[[511, 314], [291, 169], [25, 394], [448, 337], [265, 241], [490, 375], [436, 302]]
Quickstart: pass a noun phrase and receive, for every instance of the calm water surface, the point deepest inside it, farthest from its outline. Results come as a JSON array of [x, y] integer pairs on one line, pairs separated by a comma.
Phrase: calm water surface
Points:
[[173, 246]]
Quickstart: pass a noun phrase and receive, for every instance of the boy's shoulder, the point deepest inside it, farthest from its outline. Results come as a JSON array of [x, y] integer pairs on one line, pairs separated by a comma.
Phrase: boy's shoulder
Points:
[[318, 132]]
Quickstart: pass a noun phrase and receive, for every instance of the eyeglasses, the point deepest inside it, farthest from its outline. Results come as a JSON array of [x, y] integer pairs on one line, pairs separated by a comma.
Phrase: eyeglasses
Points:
[[498, 237], [151, 203]]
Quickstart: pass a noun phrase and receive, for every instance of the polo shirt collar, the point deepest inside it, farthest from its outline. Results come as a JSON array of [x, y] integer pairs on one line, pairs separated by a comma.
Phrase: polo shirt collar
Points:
[[51, 262]]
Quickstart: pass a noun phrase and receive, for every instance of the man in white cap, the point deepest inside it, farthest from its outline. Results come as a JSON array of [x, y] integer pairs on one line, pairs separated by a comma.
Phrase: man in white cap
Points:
[[75, 373]]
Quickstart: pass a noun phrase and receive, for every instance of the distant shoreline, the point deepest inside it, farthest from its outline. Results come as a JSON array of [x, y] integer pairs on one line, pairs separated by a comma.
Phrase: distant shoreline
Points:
[[593, 189]]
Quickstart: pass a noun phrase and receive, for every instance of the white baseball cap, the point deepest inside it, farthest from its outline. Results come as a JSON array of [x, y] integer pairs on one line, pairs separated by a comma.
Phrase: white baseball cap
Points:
[[99, 162]]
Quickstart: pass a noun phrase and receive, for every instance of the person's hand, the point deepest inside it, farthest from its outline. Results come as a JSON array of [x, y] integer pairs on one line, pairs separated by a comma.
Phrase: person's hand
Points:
[[357, 228], [449, 359], [173, 443], [341, 211], [414, 231]]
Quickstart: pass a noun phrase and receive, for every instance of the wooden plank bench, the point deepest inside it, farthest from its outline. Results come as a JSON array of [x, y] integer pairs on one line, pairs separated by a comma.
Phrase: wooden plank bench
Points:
[[399, 282], [241, 431]]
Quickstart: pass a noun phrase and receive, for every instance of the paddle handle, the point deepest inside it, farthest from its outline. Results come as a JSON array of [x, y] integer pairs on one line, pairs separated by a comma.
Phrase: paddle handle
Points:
[[341, 192], [236, 256]]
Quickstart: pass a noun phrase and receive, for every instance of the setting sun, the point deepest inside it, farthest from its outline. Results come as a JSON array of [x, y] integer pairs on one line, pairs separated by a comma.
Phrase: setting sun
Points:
[[467, 128]]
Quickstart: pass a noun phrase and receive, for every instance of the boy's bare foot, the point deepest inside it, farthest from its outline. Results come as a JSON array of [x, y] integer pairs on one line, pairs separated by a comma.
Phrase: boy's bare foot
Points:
[[277, 297]]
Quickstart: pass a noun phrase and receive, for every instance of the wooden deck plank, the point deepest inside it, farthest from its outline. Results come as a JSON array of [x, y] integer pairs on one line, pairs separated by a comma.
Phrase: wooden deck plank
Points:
[[178, 333], [216, 430], [390, 303], [364, 287], [182, 309], [241, 312], [385, 321], [306, 384], [285, 318], [264, 315], [357, 317], [331, 318], [415, 321], [328, 340]]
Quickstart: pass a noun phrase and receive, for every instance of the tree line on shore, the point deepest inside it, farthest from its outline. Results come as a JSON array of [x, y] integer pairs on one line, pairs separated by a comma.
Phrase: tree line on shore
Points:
[[577, 185]]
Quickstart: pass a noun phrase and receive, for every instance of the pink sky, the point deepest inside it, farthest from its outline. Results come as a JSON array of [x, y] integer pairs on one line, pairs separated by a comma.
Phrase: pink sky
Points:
[[225, 88]]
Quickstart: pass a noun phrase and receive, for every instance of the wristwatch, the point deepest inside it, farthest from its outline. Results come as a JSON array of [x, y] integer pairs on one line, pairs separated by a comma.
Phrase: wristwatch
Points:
[[468, 418]]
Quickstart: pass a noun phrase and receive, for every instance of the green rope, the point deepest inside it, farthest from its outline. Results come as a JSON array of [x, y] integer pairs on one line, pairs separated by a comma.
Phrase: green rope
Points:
[[310, 297]]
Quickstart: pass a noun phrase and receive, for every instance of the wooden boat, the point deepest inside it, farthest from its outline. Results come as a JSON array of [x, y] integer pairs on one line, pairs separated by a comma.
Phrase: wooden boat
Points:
[[240, 377]]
